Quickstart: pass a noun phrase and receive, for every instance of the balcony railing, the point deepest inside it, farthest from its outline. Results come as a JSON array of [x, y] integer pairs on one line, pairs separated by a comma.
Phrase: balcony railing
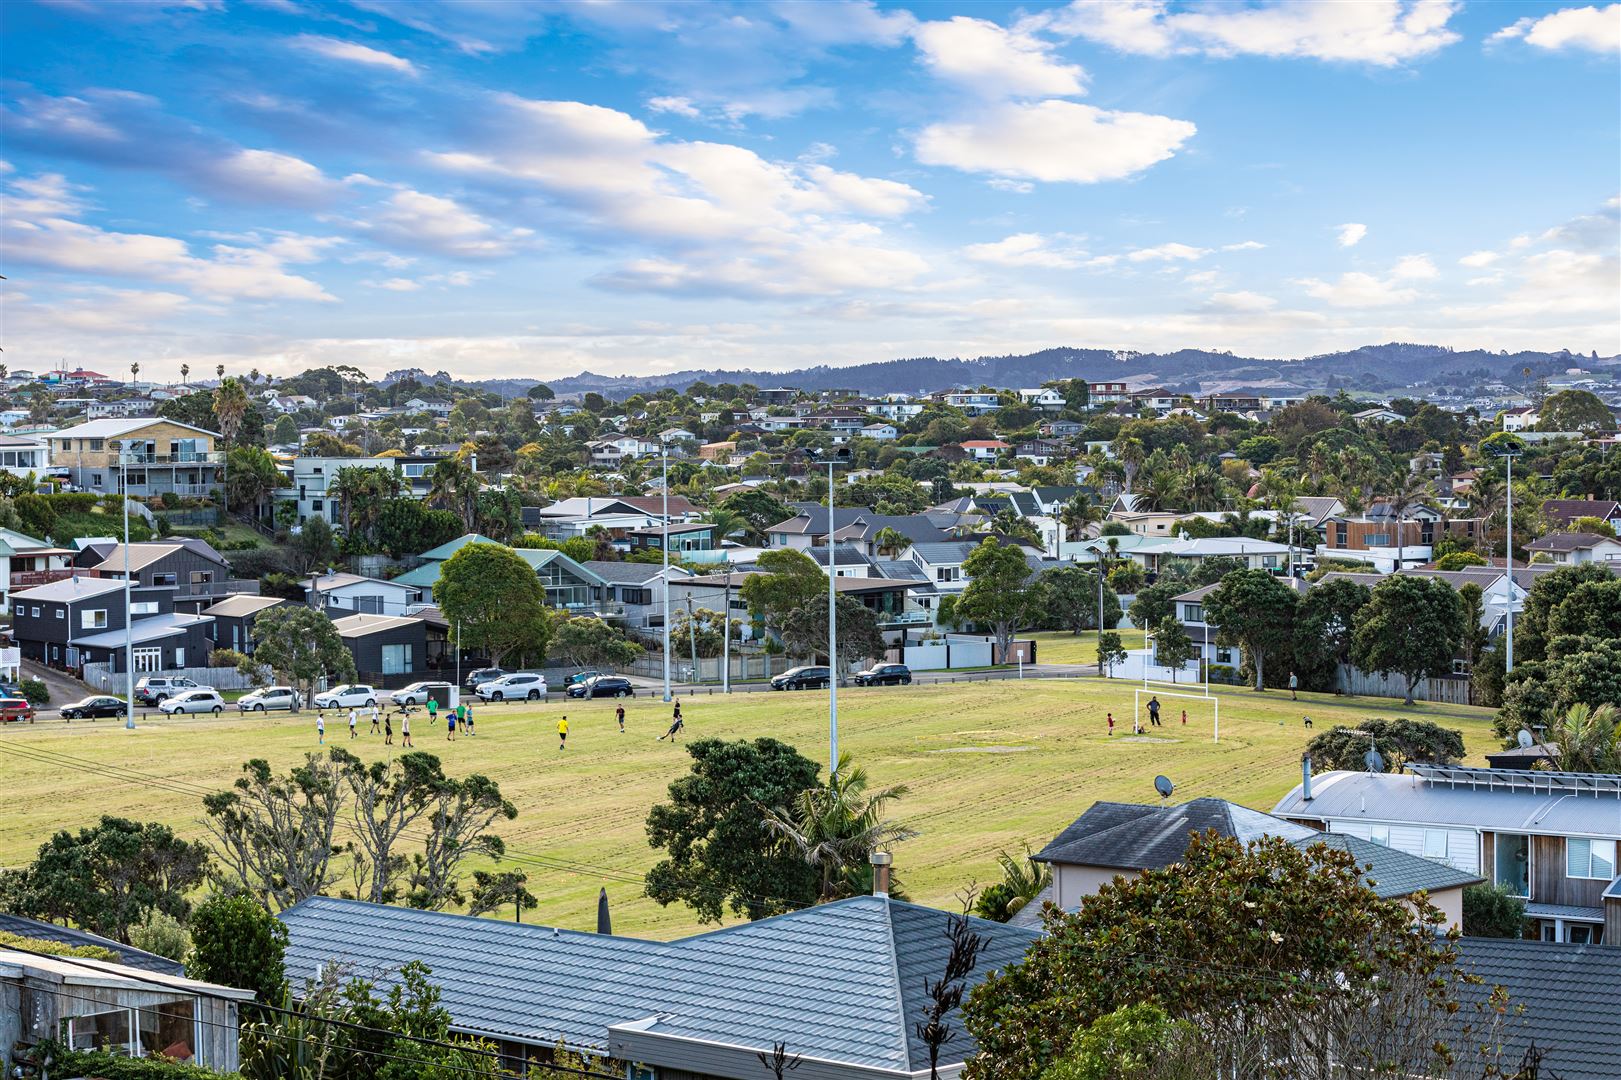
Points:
[[231, 587], [27, 579], [189, 457], [904, 618]]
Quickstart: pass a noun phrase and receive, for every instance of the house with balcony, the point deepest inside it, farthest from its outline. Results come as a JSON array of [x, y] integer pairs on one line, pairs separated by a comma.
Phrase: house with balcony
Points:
[[26, 561], [192, 570], [972, 402], [636, 588], [161, 456], [1380, 535], [339, 594], [1572, 549], [1107, 393], [313, 479], [1550, 837], [569, 585], [1044, 398], [25, 455], [80, 620], [694, 537], [1115, 840]]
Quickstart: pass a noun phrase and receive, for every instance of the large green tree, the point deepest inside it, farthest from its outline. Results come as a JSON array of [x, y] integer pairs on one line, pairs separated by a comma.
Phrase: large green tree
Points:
[[718, 855], [1283, 958], [1000, 595], [804, 631], [1325, 623], [791, 580], [1531, 627], [1412, 626], [1255, 611], [302, 647], [108, 877], [1153, 603], [236, 942], [253, 477], [1575, 410], [1072, 598], [592, 643], [1398, 742], [496, 600], [1172, 645]]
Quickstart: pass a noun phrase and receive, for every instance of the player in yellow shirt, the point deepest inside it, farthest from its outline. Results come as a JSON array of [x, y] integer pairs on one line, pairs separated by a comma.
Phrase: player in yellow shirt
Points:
[[562, 734]]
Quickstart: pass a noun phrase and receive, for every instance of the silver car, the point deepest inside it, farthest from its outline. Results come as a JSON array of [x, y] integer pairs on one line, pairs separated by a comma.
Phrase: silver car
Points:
[[202, 700], [270, 697]]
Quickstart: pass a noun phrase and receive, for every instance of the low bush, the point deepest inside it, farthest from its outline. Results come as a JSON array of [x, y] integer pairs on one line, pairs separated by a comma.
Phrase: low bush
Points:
[[35, 691], [106, 1066], [56, 948], [1225, 674]]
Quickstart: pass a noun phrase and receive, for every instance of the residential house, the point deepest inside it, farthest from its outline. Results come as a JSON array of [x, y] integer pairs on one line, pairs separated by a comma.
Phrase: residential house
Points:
[[779, 395], [291, 403], [1061, 429], [1041, 451], [717, 451], [1232, 403], [856, 526], [883, 432], [80, 620], [636, 589], [1550, 837], [1568, 549], [194, 573], [1043, 397], [25, 455], [972, 402], [313, 478], [161, 456], [1107, 393], [942, 562], [1378, 415], [101, 410], [1115, 840], [677, 434], [384, 644], [985, 449], [128, 955], [27, 561], [569, 585], [685, 539], [1157, 399], [436, 407], [1519, 418], [1380, 535], [898, 410], [234, 617], [339, 593], [124, 1010], [1561, 513], [840, 984]]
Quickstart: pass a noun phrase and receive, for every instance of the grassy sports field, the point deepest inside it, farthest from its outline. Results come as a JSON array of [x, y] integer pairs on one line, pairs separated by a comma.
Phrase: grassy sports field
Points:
[[990, 766]]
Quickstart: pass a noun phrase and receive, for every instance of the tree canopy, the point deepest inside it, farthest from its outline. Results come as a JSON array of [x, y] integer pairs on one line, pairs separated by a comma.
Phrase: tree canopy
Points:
[[1255, 611], [495, 601], [1412, 626]]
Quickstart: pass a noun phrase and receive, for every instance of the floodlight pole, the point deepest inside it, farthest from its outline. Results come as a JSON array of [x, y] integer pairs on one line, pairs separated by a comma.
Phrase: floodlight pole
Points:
[[129, 630], [664, 445], [832, 635]]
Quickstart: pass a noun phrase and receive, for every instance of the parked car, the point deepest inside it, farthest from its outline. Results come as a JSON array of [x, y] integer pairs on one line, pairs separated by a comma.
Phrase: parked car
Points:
[[346, 696], [154, 689], [801, 678], [602, 686], [11, 689], [480, 676], [418, 693], [15, 708], [884, 675], [204, 699], [91, 707], [270, 697], [519, 685], [581, 676]]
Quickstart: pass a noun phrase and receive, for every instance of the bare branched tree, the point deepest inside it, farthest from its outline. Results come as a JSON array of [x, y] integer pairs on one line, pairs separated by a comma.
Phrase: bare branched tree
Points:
[[778, 1061], [945, 993]]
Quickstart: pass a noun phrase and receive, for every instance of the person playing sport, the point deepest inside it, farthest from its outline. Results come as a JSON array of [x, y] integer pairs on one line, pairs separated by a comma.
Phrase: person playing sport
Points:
[[353, 734], [1184, 718], [388, 731], [1294, 684], [450, 726], [1307, 720], [1153, 711], [562, 734], [433, 710], [467, 720], [374, 718], [320, 729], [620, 713], [405, 728], [1111, 725], [675, 726]]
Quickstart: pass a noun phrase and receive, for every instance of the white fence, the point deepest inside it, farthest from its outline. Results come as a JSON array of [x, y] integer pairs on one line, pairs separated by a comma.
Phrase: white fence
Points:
[[951, 652], [102, 677], [1139, 664]]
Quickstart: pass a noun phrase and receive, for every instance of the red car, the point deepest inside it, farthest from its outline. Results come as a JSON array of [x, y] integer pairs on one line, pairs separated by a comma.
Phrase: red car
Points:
[[15, 708]]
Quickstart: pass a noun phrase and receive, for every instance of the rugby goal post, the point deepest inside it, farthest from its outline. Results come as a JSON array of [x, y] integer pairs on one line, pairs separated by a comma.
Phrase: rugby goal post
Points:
[[1141, 693]]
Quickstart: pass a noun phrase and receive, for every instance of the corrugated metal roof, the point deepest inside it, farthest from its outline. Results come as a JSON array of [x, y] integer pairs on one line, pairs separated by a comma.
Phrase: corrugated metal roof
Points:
[[1405, 798]]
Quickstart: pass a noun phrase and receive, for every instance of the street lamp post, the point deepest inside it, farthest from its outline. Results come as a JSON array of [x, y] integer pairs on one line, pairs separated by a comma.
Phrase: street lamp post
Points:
[[129, 630], [1509, 454], [664, 544], [832, 624]]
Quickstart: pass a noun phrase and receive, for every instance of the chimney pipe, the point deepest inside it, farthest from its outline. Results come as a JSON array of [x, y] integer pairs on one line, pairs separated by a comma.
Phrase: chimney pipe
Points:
[[880, 872], [1305, 777]]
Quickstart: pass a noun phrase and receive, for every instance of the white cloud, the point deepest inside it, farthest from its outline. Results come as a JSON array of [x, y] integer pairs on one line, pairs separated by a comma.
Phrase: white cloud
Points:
[[351, 52], [845, 22], [1477, 259], [995, 61], [680, 106], [1014, 187], [1414, 268], [1591, 28], [1244, 245], [1358, 290], [414, 219], [1203, 277], [1351, 234], [1054, 141], [1384, 33], [1172, 252], [397, 284], [1022, 249], [1242, 300], [269, 176]]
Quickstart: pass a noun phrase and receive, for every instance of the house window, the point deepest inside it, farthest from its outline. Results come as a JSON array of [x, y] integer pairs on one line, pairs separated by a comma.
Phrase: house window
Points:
[[1590, 859], [95, 444], [169, 1028], [145, 607], [396, 659], [60, 613], [315, 506], [202, 577], [1460, 667], [34, 611], [149, 658], [1379, 834], [1435, 844], [163, 579], [93, 620], [1377, 539]]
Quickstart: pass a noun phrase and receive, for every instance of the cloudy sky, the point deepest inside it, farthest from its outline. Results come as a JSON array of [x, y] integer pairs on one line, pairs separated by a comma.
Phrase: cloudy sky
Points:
[[508, 188]]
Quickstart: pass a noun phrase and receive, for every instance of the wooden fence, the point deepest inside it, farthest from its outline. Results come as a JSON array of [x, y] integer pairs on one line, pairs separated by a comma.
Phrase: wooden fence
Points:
[[1448, 690]]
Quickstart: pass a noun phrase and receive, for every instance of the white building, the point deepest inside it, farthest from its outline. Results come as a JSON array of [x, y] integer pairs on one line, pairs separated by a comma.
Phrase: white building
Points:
[[1522, 418], [312, 481], [21, 455]]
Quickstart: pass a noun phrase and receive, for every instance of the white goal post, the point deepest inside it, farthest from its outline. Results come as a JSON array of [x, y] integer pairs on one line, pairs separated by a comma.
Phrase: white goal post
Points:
[[1207, 697]]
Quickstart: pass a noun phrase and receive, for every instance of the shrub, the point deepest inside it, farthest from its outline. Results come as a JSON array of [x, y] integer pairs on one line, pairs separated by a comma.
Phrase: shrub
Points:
[[105, 1066], [161, 934], [35, 691], [235, 942], [1490, 911], [1225, 674], [57, 948], [227, 658]]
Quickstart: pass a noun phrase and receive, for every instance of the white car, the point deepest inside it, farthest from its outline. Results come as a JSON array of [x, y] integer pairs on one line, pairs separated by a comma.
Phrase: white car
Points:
[[520, 685], [203, 700], [346, 696], [270, 697], [418, 693]]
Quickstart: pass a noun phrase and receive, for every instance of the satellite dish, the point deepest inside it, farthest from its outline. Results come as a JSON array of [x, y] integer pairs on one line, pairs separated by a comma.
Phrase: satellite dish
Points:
[[1374, 761], [1163, 785], [1525, 739]]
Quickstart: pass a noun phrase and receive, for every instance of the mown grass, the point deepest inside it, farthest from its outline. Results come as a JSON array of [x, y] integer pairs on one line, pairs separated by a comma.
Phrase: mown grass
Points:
[[1063, 647], [989, 765]]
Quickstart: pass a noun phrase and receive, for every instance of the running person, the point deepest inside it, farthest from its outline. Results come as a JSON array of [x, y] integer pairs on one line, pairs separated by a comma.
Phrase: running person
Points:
[[353, 734], [620, 713], [562, 734], [467, 720], [675, 726], [1111, 724], [433, 710]]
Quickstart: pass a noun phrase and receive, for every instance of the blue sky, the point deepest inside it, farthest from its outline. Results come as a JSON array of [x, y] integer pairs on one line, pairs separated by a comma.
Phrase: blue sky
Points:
[[532, 189]]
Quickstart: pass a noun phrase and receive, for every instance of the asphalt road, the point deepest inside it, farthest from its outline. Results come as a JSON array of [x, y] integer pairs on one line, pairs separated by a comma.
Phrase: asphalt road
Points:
[[919, 678]]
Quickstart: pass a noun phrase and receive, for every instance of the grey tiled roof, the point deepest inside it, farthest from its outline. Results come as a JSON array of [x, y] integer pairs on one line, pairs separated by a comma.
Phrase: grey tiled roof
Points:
[[128, 955], [1569, 995], [1133, 836], [838, 982], [629, 573], [1392, 873]]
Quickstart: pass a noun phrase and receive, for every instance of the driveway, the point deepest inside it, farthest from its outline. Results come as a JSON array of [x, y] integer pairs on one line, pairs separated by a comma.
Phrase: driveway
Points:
[[63, 687]]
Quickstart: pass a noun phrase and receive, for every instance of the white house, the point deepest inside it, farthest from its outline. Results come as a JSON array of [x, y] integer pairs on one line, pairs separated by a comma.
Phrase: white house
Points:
[[312, 479], [1568, 549], [21, 455], [881, 432], [1042, 397], [985, 449], [1521, 418], [351, 594]]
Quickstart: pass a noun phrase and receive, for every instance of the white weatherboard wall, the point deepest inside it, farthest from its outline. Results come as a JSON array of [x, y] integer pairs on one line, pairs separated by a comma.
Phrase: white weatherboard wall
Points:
[[1462, 845]]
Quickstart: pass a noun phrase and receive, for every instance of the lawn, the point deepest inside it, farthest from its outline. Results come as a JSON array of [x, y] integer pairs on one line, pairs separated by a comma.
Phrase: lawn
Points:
[[1063, 647], [990, 766]]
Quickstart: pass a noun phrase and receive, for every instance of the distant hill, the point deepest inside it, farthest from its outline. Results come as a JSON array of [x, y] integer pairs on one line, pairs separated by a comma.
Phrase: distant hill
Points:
[[1372, 367]]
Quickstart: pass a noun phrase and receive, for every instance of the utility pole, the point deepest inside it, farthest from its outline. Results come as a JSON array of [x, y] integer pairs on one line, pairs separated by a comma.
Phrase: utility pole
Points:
[[1508, 563], [665, 545], [832, 626], [129, 630], [726, 636]]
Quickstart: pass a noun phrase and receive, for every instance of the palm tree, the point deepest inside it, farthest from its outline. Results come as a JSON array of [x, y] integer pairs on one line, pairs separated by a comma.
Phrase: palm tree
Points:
[[219, 371], [230, 406], [1282, 494], [134, 372], [891, 541], [1079, 512], [1022, 879], [837, 827], [455, 487], [1316, 466], [726, 522], [1588, 738], [1131, 455], [185, 373], [1409, 492], [1158, 491], [1203, 487]]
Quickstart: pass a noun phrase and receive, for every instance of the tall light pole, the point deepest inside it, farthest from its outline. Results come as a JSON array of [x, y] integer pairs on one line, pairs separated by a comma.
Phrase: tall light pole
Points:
[[1510, 452], [129, 630], [726, 635], [664, 446], [833, 459]]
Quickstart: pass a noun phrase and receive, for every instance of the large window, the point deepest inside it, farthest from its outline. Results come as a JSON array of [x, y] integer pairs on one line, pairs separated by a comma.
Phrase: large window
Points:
[[1590, 859], [149, 659], [94, 619], [169, 1029], [1511, 857], [396, 659]]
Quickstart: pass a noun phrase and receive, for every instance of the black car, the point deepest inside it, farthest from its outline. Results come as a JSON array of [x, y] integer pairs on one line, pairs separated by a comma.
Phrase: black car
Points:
[[801, 678], [884, 675], [91, 707], [602, 686], [480, 676]]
